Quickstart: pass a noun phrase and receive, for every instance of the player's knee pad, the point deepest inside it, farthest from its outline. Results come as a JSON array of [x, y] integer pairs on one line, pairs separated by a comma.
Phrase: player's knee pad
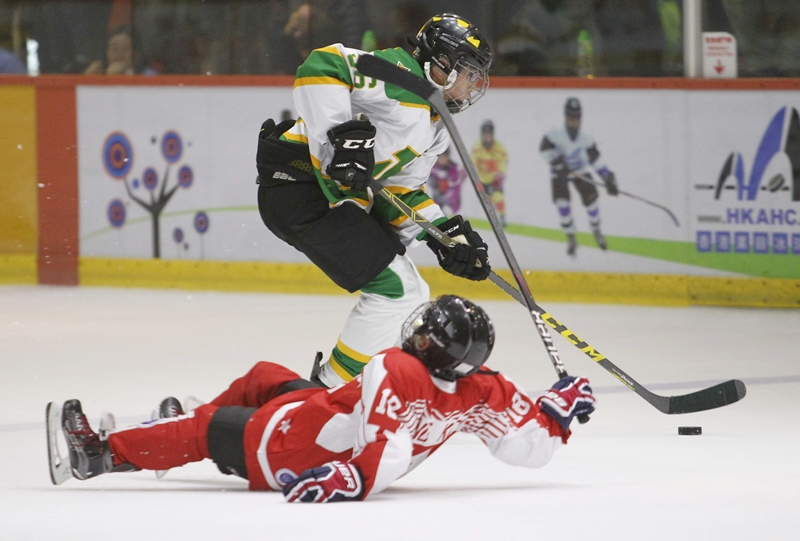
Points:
[[226, 439]]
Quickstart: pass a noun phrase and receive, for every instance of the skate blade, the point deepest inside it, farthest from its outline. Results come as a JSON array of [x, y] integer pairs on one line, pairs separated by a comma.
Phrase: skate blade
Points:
[[60, 469]]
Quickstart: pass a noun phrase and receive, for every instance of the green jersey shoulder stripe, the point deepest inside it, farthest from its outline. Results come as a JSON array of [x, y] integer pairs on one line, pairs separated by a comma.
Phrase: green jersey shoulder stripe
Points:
[[401, 58], [321, 64]]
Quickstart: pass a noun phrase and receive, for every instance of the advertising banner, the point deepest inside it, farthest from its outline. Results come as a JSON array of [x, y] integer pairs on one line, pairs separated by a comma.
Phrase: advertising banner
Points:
[[629, 181]]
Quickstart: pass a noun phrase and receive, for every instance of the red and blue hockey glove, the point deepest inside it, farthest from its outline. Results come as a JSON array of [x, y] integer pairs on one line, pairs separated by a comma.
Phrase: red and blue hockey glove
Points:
[[469, 257], [332, 482], [566, 399]]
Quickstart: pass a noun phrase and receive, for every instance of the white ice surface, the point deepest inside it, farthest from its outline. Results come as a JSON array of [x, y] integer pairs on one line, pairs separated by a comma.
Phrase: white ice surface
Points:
[[625, 475]]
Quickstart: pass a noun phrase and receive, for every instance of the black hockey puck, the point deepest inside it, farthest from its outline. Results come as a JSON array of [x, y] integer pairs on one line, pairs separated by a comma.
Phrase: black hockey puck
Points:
[[690, 430]]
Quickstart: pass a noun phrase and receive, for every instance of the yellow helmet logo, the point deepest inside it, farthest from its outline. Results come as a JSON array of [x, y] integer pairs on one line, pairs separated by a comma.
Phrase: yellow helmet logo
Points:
[[475, 41]]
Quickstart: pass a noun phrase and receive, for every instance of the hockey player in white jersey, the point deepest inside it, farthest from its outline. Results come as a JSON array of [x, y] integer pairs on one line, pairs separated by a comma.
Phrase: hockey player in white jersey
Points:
[[313, 176], [570, 152]]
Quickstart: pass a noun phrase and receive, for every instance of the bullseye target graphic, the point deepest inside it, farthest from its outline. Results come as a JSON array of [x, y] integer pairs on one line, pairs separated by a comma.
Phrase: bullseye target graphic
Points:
[[116, 213], [177, 235], [185, 176], [117, 155], [171, 146], [201, 222], [150, 178]]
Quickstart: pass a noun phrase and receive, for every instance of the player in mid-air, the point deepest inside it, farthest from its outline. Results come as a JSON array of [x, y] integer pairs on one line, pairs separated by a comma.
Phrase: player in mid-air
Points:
[[491, 162], [570, 152], [313, 177], [281, 432]]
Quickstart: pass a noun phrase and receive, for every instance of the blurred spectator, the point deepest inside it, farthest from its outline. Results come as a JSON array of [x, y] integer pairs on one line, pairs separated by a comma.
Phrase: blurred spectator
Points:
[[318, 23], [767, 35], [262, 45], [671, 23], [10, 64], [632, 37], [541, 37], [119, 55], [71, 34]]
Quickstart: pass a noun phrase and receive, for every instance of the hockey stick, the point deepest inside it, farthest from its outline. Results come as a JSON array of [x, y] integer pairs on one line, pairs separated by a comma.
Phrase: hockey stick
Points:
[[705, 399], [712, 397], [590, 179], [373, 67]]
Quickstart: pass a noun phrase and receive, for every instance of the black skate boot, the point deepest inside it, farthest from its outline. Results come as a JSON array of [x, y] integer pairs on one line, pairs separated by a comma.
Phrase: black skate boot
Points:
[[169, 407], [314, 377], [572, 244], [88, 455], [600, 239]]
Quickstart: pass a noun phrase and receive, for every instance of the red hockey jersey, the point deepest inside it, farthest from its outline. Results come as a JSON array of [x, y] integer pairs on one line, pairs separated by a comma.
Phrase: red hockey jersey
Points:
[[391, 418]]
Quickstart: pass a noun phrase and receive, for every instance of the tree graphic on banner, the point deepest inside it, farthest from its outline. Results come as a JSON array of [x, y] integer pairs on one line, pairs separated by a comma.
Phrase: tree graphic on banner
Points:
[[118, 161]]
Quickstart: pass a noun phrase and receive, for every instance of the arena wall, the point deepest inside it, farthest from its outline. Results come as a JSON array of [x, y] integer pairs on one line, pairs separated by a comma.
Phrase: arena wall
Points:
[[711, 171]]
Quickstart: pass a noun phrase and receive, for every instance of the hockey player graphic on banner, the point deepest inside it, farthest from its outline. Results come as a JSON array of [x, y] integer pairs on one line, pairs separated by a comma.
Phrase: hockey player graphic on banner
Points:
[[491, 161], [571, 153], [313, 176], [445, 183]]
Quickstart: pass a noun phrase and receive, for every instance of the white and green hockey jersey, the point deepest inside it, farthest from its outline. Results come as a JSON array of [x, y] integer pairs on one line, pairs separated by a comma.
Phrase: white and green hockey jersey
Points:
[[328, 90]]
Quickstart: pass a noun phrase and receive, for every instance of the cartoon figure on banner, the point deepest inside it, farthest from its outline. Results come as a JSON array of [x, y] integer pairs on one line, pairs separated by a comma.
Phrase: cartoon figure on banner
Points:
[[491, 161], [201, 224], [573, 155], [118, 162], [445, 183]]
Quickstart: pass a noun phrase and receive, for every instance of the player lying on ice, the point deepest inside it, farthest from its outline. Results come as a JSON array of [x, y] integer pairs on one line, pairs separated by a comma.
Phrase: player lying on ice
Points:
[[324, 445]]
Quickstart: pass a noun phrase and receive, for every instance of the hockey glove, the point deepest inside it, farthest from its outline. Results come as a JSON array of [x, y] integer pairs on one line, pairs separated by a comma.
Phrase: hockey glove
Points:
[[353, 153], [469, 257], [567, 398], [611, 182], [332, 482]]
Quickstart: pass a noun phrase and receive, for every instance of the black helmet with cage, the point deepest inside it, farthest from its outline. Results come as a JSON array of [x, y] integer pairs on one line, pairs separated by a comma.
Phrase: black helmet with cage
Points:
[[450, 335], [455, 46]]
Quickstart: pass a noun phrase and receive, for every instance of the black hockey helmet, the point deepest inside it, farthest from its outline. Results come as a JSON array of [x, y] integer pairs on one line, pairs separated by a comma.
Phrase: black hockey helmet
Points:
[[454, 45], [450, 335], [487, 126], [572, 107]]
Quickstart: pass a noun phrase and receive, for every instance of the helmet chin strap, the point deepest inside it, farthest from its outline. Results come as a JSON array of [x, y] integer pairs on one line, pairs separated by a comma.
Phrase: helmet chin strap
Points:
[[451, 78]]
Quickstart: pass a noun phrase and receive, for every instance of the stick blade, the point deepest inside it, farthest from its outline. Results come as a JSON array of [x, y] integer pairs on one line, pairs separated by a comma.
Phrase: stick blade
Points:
[[60, 469], [372, 66], [707, 399]]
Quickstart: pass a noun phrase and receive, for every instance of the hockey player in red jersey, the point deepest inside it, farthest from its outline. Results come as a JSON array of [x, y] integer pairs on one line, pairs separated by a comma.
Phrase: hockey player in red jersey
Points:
[[323, 445]]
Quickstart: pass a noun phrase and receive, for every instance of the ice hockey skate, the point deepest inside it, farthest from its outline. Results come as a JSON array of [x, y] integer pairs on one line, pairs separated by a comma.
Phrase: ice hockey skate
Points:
[[572, 244], [88, 456], [600, 239], [170, 407], [315, 370]]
